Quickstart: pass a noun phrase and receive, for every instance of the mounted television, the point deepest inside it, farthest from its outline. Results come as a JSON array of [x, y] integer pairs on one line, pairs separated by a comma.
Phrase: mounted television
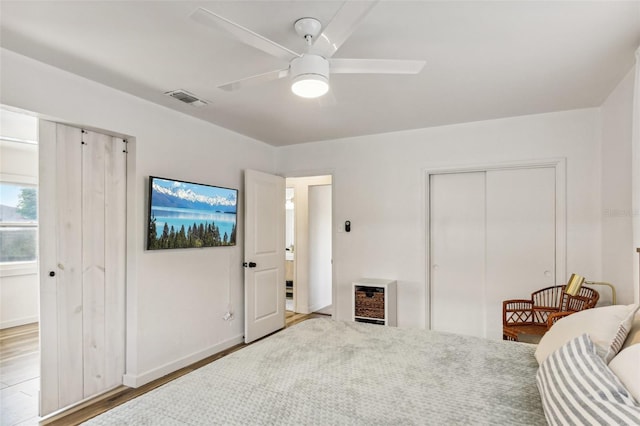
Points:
[[190, 215]]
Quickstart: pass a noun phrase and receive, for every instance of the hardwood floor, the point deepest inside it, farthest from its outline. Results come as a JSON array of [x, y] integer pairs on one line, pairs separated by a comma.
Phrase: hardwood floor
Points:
[[123, 394], [19, 375]]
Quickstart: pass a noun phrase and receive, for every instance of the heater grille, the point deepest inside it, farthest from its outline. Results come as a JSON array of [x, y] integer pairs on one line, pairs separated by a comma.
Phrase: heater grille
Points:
[[186, 97]]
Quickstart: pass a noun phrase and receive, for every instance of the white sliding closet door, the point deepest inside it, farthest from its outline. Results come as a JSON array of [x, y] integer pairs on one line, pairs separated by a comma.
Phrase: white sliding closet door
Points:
[[492, 237], [82, 264], [457, 242], [521, 237]]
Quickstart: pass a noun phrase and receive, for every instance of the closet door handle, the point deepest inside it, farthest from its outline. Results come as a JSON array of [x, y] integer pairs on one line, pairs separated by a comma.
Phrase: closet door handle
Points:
[[52, 274]]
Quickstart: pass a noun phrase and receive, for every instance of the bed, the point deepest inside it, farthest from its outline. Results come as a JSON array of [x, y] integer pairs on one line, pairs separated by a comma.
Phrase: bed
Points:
[[330, 372]]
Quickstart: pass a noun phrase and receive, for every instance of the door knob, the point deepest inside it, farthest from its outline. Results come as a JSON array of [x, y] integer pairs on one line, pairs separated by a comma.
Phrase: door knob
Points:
[[249, 265], [52, 274]]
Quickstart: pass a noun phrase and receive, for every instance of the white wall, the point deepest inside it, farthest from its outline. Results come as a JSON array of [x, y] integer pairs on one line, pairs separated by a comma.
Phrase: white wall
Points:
[[175, 298], [19, 296], [378, 184], [618, 253]]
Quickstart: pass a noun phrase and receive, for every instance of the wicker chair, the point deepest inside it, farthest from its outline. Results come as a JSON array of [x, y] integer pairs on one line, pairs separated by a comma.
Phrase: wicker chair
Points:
[[546, 306]]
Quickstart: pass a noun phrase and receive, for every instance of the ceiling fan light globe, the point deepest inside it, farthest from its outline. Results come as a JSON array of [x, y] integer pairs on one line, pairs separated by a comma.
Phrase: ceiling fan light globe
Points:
[[310, 86]]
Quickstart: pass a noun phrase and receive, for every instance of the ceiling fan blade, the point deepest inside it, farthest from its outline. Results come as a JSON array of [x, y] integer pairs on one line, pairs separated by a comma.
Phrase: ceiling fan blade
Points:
[[375, 66], [253, 80], [245, 35], [341, 26], [328, 100]]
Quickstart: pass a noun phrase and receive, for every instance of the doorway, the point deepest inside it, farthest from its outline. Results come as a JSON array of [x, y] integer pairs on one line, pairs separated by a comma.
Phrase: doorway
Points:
[[308, 264], [19, 286]]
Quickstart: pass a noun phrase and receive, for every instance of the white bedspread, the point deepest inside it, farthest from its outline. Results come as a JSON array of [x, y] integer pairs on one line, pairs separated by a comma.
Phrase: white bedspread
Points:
[[329, 372]]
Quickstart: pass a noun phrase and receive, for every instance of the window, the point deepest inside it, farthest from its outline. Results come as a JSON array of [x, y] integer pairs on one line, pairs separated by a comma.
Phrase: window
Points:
[[18, 222], [18, 192]]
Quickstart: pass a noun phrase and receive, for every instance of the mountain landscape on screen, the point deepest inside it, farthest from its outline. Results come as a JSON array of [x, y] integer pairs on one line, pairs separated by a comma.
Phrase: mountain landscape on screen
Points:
[[185, 198], [190, 215]]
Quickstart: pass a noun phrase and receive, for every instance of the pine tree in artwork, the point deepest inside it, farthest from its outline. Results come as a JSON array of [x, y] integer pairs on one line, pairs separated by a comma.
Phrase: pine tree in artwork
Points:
[[172, 237], [152, 236], [181, 238], [189, 242], [232, 239], [194, 235], [216, 235], [208, 236], [164, 239]]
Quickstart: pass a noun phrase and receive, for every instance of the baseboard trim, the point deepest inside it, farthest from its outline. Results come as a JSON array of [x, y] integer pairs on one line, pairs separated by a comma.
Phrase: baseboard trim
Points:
[[73, 408], [316, 308], [134, 381], [18, 322]]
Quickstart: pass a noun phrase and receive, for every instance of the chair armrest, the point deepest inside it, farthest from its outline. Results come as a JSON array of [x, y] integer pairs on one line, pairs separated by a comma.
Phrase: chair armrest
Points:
[[517, 311], [525, 302], [554, 317]]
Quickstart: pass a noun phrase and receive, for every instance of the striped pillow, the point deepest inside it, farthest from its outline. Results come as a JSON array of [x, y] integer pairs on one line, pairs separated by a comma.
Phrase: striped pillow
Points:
[[577, 387]]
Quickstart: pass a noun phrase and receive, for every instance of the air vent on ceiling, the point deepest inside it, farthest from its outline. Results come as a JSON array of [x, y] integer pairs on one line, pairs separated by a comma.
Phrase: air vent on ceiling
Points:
[[186, 97]]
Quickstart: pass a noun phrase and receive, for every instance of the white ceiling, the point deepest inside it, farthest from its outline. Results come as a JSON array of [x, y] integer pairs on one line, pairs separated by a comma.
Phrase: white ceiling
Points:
[[484, 59]]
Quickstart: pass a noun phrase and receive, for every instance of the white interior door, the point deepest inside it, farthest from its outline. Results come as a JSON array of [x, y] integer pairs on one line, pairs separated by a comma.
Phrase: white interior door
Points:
[[82, 264], [264, 248], [457, 235]]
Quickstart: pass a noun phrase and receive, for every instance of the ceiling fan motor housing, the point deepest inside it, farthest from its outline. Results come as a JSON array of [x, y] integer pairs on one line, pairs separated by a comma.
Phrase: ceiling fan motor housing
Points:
[[309, 64]]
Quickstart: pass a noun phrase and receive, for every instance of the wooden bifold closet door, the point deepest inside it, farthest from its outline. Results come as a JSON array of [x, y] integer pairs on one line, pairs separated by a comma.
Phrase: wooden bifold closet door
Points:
[[82, 264], [492, 237]]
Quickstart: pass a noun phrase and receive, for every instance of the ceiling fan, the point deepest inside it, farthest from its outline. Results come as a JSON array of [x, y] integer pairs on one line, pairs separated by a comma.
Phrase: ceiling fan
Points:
[[309, 71]]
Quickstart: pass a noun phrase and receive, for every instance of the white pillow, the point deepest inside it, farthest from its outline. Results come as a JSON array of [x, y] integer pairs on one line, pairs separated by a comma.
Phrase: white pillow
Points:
[[607, 327], [626, 365], [634, 334]]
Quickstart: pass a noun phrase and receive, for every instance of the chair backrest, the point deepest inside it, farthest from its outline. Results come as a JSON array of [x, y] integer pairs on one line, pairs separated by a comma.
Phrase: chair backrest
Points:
[[549, 297], [546, 301], [586, 298], [554, 299]]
